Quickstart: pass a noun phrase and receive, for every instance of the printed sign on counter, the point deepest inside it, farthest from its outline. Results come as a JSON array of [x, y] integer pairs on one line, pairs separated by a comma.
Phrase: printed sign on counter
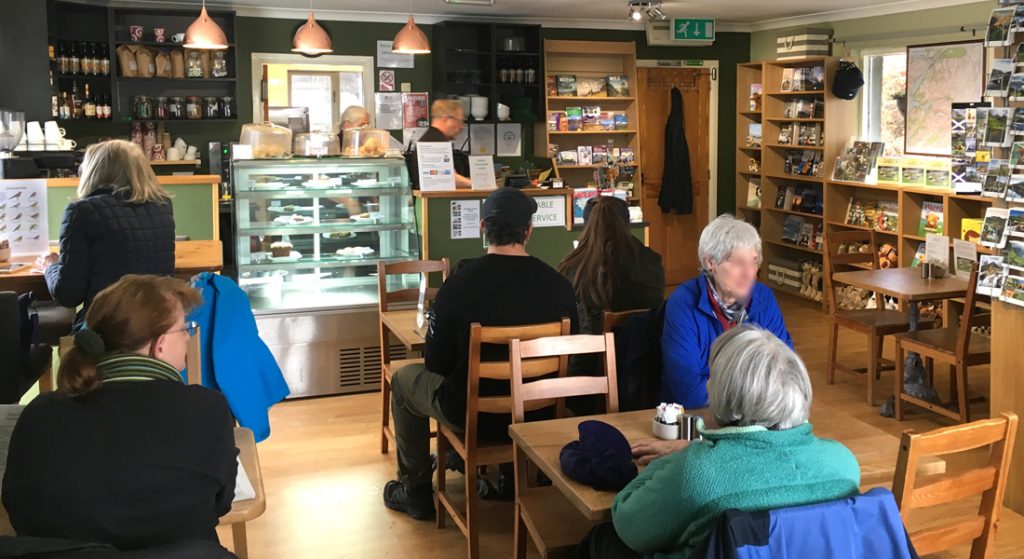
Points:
[[481, 172], [23, 212], [550, 211], [436, 167], [465, 219]]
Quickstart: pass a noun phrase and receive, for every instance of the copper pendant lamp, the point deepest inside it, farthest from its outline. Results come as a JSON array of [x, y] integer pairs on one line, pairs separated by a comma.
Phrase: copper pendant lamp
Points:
[[205, 34], [410, 39], [311, 39]]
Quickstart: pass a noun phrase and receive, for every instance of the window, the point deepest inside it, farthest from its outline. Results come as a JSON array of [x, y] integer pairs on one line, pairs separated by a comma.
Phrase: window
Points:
[[326, 94], [883, 112]]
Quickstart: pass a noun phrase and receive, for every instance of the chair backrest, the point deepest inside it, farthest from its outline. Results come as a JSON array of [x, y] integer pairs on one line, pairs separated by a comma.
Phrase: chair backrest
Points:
[[193, 356], [834, 259], [613, 320], [968, 317], [502, 370], [536, 358], [989, 481], [384, 269]]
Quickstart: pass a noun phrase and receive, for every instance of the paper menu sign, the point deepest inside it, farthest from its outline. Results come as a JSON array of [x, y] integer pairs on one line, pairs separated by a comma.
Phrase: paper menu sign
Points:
[[415, 110], [509, 139], [23, 218], [388, 59], [481, 172], [435, 166], [412, 135], [465, 219], [389, 111], [936, 250], [9, 414], [481, 139], [965, 253]]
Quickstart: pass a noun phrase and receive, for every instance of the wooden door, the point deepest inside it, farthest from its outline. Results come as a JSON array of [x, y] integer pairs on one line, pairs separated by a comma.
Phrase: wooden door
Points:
[[674, 236]]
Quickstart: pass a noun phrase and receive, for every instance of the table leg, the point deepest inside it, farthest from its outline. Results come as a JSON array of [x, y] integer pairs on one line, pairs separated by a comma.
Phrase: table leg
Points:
[[913, 370]]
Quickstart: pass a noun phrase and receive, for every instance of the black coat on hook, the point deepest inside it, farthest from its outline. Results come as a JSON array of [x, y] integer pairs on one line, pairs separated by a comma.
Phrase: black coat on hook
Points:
[[676, 182]]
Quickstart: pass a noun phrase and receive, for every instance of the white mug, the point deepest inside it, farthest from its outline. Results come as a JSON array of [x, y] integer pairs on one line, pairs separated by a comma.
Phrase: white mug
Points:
[[181, 145], [174, 154], [68, 144], [178, 37], [52, 129], [34, 132], [190, 153]]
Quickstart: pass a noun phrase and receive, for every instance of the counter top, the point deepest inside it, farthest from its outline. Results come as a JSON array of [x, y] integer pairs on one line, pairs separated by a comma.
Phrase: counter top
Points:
[[466, 193], [164, 179]]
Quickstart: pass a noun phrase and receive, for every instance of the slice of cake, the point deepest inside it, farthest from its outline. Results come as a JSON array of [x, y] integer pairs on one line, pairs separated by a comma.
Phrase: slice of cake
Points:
[[281, 249]]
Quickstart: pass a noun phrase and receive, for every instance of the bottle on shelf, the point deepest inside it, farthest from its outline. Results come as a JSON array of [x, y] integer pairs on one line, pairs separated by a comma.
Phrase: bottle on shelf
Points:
[[74, 61], [54, 104], [62, 57], [78, 110], [520, 73], [85, 55], [62, 106], [88, 104], [104, 60], [107, 111], [531, 73], [52, 50]]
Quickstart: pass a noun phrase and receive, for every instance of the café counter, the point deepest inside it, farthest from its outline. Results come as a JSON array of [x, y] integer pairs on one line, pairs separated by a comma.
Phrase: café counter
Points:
[[194, 197], [553, 232]]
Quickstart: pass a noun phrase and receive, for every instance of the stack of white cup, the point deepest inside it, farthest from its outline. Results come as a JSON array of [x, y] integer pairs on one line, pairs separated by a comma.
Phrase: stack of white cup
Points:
[[53, 136]]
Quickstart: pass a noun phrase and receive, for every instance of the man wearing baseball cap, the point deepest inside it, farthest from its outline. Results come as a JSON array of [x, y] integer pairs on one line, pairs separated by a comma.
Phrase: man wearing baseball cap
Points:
[[505, 287]]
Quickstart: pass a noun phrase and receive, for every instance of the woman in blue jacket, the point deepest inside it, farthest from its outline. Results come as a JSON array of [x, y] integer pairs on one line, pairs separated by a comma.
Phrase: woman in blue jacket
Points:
[[724, 295]]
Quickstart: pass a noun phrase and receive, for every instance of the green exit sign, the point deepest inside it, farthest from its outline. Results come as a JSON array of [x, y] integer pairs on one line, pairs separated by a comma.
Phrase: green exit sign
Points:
[[693, 29]]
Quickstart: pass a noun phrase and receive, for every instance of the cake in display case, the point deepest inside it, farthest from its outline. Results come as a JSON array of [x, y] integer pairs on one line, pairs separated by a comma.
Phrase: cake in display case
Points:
[[310, 232]]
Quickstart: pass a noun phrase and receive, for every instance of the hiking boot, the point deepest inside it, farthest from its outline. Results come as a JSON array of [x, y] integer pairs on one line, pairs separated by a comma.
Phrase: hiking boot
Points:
[[417, 504]]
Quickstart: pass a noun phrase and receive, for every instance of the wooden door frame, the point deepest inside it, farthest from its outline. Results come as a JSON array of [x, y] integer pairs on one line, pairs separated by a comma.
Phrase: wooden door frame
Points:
[[335, 77], [712, 65], [258, 78]]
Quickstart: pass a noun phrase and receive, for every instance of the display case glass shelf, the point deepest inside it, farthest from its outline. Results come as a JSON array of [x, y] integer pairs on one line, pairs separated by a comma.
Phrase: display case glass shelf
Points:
[[310, 232]]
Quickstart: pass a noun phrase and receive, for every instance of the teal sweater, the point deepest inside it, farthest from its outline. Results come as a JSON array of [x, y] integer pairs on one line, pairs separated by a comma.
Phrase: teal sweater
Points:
[[668, 510]]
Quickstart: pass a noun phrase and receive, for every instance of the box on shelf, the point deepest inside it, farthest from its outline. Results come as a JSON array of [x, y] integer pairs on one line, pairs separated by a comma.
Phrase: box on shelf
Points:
[[970, 229], [565, 85], [617, 86], [803, 43]]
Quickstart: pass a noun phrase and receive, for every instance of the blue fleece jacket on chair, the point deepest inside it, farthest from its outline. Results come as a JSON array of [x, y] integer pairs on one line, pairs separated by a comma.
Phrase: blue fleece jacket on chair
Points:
[[691, 326], [235, 360]]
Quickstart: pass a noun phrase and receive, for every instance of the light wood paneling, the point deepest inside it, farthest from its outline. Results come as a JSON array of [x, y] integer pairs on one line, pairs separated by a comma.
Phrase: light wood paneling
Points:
[[1007, 393]]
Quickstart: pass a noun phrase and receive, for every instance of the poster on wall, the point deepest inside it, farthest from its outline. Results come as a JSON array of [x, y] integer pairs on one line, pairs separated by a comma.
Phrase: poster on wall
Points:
[[387, 80], [465, 219], [481, 139], [415, 110], [509, 137], [23, 219], [389, 111], [388, 59], [938, 76]]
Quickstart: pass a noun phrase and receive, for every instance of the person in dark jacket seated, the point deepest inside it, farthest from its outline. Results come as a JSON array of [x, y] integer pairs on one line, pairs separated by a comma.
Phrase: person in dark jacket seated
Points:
[[610, 269], [724, 295], [506, 287], [124, 452], [121, 223], [761, 455]]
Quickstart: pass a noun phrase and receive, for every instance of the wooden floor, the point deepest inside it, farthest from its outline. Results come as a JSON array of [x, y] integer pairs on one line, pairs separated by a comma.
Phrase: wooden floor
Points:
[[324, 473]]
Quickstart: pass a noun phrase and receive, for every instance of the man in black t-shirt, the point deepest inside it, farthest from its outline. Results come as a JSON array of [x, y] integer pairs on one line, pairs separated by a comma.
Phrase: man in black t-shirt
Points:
[[447, 119], [506, 287]]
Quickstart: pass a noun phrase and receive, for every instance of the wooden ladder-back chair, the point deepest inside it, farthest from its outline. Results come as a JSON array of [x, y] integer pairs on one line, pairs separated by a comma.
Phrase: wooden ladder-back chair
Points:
[[466, 445], [954, 346], [612, 320], [552, 522], [385, 299], [989, 481], [874, 323]]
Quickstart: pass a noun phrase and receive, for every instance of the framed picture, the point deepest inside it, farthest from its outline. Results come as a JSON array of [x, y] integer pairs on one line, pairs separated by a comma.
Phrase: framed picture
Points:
[[939, 75]]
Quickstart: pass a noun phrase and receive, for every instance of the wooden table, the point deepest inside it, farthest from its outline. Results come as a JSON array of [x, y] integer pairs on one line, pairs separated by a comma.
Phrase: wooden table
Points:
[[907, 285], [403, 325], [190, 258], [542, 441]]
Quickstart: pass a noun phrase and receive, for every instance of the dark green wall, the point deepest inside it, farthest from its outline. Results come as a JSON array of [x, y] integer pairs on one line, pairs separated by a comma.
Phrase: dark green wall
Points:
[[359, 39]]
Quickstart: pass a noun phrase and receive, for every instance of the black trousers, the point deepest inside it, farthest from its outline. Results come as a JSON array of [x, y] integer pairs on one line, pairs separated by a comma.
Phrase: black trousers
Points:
[[604, 543]]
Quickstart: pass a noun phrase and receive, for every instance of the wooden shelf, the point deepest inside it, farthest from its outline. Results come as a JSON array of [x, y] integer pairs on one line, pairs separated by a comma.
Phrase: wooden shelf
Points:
[[592, 166], [748, 208], [796, 147], [165, 44], [797, 247], [592, 132], [751, 113], [794, 212], [165, 81], [803, 178], [891, 187], [862, 228], [796, 93], [751, 173], [749, 148], [570, 98], [821, 120]]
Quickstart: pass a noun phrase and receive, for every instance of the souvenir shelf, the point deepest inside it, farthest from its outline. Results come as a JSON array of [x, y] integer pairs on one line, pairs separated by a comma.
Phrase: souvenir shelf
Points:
[[597, 60]]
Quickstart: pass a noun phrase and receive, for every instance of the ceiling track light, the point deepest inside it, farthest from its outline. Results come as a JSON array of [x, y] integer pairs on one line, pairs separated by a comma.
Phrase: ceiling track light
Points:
[[638, 9], [471, 2]]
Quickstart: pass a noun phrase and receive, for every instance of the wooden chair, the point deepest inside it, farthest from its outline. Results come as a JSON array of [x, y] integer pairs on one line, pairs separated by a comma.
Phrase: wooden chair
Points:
[[989, 481], [553, 523], [473, 452], [613, 320], [954, 346], [874, 323], [193, 358], [386, 299]]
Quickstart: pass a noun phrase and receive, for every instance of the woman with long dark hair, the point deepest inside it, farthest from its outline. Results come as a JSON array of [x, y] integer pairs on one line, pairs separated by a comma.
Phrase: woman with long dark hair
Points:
[[610, 269]]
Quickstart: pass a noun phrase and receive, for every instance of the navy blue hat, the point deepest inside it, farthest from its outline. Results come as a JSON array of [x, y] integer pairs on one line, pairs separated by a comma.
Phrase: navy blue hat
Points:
[[848, 80], [601, 458]]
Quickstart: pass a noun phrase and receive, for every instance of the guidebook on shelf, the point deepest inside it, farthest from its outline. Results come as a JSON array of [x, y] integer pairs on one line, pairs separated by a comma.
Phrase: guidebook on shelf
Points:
[[888, 216], [786, 134], [932, 220], [888, 170], [754, 193], [791, 229], [754, 134], [919, 256], [756, 92], [787, 79]]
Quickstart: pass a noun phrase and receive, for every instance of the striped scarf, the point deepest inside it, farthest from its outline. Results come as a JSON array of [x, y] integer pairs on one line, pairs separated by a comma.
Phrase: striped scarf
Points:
[[123, 367], [735, 313]]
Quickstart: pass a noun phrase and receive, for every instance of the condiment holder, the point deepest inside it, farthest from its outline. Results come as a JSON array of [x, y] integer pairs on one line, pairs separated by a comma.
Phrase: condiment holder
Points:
[[671, 424]]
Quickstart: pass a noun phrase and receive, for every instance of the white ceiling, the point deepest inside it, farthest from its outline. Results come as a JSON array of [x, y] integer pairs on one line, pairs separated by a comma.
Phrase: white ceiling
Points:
[[738, 15]]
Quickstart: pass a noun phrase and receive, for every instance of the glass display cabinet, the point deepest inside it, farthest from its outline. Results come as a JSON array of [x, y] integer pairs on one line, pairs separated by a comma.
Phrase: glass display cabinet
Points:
[[309, 234]]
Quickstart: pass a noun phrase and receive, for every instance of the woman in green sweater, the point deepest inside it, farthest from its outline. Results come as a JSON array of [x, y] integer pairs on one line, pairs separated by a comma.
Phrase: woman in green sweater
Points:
[[763, 456]]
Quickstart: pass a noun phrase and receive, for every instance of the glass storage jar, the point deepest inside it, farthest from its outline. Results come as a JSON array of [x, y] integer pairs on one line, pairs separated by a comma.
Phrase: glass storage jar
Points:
[[176, 107], [193, 108], [160, 110], [219, 65], [211, 108], [143, 107], [227, 110], [194, 65]]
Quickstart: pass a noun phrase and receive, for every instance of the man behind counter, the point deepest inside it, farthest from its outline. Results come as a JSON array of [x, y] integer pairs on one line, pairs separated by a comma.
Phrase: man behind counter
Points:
[[447, 119]]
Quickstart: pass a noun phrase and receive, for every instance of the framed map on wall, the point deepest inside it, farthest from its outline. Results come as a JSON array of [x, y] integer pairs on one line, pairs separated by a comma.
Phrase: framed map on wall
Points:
[[939, 75]]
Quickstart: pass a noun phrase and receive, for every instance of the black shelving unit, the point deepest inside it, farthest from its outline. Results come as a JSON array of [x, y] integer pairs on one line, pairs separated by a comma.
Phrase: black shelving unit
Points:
[[111, 26], [468, 57]]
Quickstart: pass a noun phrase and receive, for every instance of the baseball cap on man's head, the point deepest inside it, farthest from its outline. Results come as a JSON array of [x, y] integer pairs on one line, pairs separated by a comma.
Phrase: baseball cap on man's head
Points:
[[510, 205]]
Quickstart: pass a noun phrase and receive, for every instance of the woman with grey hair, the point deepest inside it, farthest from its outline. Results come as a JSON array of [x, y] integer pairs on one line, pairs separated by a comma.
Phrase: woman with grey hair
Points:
[[763, 455], [724, 295]]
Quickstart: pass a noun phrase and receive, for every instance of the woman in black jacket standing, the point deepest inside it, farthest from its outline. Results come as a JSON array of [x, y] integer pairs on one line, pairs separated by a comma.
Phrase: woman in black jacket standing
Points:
[[122, 223]]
